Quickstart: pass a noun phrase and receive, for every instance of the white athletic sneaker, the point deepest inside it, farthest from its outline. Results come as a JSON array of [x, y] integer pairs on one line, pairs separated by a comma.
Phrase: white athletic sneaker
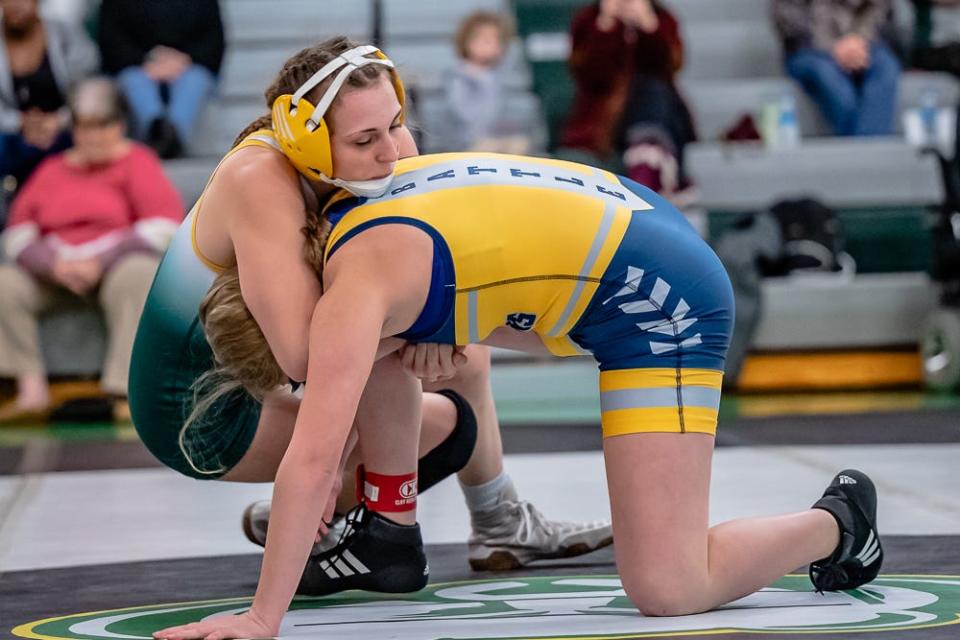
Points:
[[257, 516], [515, 533], [509, 536]]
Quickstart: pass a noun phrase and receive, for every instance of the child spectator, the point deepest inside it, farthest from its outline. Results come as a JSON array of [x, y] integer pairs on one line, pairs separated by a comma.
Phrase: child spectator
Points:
[[474, 115], [89, 222]]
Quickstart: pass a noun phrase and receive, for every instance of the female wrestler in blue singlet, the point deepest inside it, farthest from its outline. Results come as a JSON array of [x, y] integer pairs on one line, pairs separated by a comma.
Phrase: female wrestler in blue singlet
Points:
[[251, 215], [540, 255]]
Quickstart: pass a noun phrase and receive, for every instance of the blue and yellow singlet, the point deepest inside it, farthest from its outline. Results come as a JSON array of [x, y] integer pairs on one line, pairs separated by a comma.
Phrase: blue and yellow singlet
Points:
[[591, 262]]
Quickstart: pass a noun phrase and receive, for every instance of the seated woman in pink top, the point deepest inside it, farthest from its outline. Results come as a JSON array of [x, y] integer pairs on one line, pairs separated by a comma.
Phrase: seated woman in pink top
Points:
[[90, 222]]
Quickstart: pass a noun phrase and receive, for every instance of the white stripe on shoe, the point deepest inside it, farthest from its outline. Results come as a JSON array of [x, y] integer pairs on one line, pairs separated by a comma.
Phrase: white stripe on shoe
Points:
[[868, 547], [343, 567], [354, 562], [330, 572], [870, 560]]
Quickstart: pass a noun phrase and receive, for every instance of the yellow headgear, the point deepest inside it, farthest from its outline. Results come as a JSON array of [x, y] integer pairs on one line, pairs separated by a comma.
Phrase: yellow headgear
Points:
[[300, 127]]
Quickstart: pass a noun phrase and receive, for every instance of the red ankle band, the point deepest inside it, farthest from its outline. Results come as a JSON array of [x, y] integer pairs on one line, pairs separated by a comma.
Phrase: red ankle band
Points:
[[387, 494]]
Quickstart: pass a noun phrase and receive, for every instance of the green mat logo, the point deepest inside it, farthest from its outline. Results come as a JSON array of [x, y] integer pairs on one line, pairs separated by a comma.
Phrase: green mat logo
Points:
[[589, 607]]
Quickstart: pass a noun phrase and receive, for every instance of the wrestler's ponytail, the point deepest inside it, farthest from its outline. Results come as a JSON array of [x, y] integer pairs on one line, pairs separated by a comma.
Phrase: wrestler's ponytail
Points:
[[243, 364], [315, 234]]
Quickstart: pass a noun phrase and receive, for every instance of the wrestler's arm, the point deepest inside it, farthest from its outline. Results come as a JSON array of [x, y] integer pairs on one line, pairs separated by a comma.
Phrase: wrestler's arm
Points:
[[266, 215], [378, 293], [279, 288]]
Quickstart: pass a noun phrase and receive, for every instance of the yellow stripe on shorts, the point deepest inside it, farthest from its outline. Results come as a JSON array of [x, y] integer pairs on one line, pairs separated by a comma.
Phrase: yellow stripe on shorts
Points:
[[659, 400]]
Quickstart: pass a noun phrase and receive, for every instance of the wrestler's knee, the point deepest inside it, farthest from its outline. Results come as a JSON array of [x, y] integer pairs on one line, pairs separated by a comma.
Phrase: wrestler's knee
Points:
[[657, 593], [476, 371]]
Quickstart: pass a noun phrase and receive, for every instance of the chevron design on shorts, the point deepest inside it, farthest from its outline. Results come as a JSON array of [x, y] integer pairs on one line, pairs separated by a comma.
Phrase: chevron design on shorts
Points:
[[674, 325]]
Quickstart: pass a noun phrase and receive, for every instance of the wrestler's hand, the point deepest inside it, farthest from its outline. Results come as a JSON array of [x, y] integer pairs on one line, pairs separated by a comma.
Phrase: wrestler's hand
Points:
[[330, 507], [432, 362], [245, 625]]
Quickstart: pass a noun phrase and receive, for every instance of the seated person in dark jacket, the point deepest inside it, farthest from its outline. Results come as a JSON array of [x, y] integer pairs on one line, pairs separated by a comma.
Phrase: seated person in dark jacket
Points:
[[624, 59], [166, 55]]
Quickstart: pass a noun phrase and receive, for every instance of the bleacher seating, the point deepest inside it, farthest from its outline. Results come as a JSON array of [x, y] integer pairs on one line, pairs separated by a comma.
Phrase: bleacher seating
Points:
[[705, 11], [252, 22], [829, 312], [419, 20], [874, 171], [734, 66], [261, 34], [710, 56], [417, 35]]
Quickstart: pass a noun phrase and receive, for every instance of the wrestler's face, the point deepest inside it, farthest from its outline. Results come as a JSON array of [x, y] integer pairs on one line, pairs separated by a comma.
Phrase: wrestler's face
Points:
[[366, 135]]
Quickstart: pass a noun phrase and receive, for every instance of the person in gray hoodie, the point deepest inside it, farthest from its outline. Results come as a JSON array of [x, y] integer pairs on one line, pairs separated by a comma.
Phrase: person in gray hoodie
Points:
[[40, 60], [474, 116], [837, 51]]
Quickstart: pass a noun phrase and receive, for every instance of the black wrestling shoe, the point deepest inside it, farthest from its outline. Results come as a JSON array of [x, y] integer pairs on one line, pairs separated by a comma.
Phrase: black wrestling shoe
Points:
[[852, 500], [373, 554]]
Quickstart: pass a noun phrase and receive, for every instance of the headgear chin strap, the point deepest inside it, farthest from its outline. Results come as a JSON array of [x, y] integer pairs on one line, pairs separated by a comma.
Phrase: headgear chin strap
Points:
[[363, 188], [303, 132]]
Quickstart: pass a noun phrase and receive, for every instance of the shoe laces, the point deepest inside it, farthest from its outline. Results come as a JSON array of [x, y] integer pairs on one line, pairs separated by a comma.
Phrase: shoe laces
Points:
[[531, 520], [352, 522]]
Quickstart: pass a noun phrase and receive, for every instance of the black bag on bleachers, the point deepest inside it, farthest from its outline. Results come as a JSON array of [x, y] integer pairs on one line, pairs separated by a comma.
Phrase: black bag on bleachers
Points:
[[812, 238]]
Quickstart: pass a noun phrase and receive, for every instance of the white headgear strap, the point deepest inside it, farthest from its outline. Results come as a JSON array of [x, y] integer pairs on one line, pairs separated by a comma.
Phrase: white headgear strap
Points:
[[346, 63]]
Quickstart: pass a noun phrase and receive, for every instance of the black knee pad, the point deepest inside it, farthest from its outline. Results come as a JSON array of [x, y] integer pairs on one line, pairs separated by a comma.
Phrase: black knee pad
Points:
[[452, 454]]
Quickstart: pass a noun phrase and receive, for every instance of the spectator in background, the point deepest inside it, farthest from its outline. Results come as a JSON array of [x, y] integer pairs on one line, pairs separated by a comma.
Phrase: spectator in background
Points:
[[71, 11], [936, 35], [836, 50], [166, 55], [625, 58], [91, 221], [474, 117], [40, 59]]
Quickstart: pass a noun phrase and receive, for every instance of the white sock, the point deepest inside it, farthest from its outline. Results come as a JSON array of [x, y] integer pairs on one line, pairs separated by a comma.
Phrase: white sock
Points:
[[486, 496]]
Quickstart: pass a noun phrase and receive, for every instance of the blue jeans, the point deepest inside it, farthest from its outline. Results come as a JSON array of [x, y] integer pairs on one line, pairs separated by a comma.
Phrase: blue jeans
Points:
[[861, 104], [187, 96]]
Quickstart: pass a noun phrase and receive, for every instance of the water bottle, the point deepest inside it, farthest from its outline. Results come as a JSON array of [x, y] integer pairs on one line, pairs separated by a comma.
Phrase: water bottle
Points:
[[788, 130], [929, 108]]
